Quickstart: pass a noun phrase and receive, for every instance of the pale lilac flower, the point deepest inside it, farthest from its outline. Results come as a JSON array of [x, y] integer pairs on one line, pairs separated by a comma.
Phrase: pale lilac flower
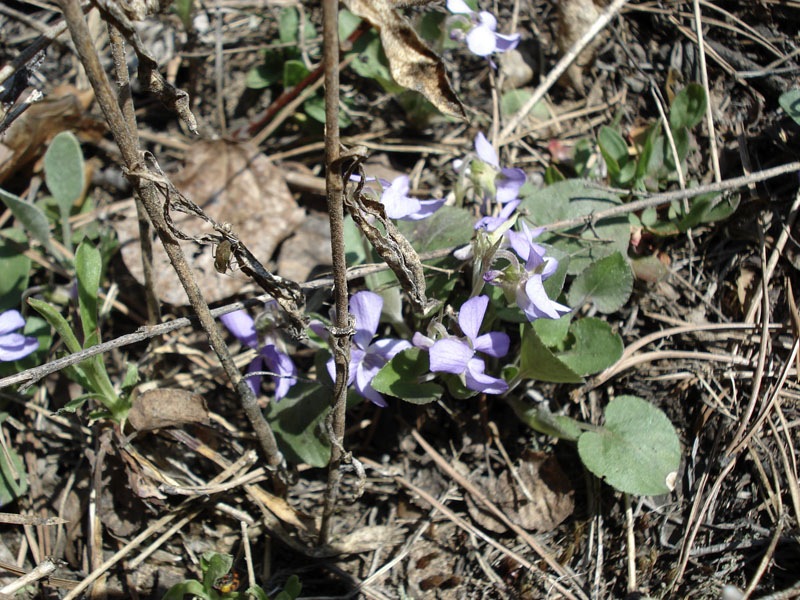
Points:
[[483, 38], [368, 357], [510, 180], [399, 205], [525, 283], [490, 224], [242, 326], [457, 355], [14, 346]]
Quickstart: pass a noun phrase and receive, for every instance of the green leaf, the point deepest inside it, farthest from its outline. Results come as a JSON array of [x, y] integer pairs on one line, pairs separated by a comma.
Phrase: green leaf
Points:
[[348, 22], [608, 283], [514, 100], [688, 108], [790, 102], [542, 420], [645, 164], [191, 587], [16, 267], [288, 24], [354, 251], [63, 169], [259, 593], [214, 565], [87, 266], [612, 144], [291, 590], [14, 481], [538, 362], [400, 377], [266, 74], [297, 422], [58, 323], [569, 199], [294, 71], [447, 227], [681, 138], [637, 452], [314, 107], [32, 218], [595, 348], [552, 331]]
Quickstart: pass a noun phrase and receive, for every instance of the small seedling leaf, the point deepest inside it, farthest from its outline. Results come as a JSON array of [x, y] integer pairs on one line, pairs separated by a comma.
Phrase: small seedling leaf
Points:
[[688, 108], [637, 452], [87, 266], [63, 170], [31, 217], [400, 378], [608, 283], [192, 587], [58, 323]]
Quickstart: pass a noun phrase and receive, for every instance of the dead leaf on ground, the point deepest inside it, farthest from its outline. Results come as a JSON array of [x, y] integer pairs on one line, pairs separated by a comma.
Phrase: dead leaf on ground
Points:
[[234, 183], [29, 136], [411, 63], [166, 407], [551, 496]]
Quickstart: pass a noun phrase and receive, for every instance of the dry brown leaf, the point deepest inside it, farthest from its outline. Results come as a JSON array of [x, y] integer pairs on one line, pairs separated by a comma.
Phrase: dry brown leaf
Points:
[[166, 407], [551, 496], [411, 63], [575, 17], [234, 183], [28, 137]]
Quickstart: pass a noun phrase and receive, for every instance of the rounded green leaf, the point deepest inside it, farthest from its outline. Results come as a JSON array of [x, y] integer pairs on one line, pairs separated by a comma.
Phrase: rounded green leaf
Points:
[[400, 378], [688, 108], [63, 169], [608, 283], [16, 267], [637, 452], [595, 348]]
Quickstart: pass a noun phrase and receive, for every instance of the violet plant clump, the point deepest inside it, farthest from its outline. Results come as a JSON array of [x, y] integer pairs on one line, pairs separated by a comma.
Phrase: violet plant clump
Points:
[[14, 346], [368, 357], [483, 39], [243, 327], [456, 355]]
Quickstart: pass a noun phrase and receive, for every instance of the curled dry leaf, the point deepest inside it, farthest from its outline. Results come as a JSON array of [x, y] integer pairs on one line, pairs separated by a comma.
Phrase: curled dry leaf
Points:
[[575, 17], [166, 407], [233, 183], [550, 499], [411, 63]]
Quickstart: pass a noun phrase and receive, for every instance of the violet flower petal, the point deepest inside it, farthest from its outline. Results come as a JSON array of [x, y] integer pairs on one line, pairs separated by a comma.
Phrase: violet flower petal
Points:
[[481, 41], [366, 307], [254, 381], [449, 356], [423, 342], [506, 42], [425, 210], [11, 320], [356, 356], [242, 326], [387, 348], [494, 343], [478, 381], [487, 19], [470, 316], [14, 346], [492, 223], [485, 150], [508, 184], [280, 364], [534, 302], [459, 7]]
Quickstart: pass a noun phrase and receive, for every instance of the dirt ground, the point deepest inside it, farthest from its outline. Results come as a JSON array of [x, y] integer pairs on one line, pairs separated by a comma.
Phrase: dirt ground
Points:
[[709, 339]]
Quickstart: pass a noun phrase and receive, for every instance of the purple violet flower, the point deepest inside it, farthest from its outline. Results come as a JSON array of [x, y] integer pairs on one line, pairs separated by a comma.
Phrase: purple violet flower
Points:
[[525, 283], [510, 180], [457, 356], [366, 358], [242, 326], [14, 346], [399, 205], [483, 38]]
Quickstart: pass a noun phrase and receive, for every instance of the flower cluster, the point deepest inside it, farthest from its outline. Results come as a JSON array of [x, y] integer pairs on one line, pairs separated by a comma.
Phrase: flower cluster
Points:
[[242, 326]]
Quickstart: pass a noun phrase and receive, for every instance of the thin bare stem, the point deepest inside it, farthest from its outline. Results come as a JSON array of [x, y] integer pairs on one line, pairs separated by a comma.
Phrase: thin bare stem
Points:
[[146, 190], [340, 333]]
